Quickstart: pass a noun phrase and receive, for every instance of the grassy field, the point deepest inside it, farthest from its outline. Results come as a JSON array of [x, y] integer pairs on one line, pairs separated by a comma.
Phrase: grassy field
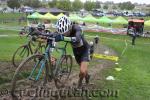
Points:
[[11, 15], [133, 80], [12, 42], [12, 19]]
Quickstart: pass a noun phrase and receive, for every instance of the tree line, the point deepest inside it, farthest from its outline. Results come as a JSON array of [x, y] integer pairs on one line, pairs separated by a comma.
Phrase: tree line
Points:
[[67, 5]]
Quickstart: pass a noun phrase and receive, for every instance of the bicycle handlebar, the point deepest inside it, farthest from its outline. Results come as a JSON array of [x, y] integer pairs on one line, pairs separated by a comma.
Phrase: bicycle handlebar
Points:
[[35, 32], [51, 36]]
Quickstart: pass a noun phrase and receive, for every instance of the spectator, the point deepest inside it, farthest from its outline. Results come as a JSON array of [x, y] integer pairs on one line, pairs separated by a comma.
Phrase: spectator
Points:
[[84, 24], [134, 34]]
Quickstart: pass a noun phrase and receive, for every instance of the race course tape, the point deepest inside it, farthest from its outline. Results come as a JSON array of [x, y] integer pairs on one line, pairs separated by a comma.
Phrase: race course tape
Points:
[[100, 56]]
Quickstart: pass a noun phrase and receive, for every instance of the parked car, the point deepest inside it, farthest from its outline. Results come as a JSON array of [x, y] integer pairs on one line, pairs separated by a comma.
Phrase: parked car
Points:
[[118, 14], [130, 14], [98, 13], [139, 14], [27, 9]]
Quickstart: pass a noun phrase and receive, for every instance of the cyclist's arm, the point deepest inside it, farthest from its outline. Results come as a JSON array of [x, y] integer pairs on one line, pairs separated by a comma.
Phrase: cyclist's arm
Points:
[[60, 37], [76, 38]]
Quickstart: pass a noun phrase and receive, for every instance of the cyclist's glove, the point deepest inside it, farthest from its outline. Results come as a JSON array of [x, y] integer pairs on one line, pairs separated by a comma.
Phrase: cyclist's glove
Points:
[[59, 37]]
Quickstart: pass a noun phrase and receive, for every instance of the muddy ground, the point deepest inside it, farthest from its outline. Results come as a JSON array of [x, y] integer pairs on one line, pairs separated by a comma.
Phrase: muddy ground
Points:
[[95, 68]]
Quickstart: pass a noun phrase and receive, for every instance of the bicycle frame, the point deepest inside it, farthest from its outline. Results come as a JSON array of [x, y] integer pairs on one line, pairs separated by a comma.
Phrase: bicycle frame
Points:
[[47, 58], [29, 45]]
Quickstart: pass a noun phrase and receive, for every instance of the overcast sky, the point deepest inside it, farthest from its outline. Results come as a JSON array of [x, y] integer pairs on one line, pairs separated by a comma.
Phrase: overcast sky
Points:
[[117, 1]]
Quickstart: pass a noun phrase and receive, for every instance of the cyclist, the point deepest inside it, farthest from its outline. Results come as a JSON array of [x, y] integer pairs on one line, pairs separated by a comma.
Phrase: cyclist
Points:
[[81, 48], [41, 28]]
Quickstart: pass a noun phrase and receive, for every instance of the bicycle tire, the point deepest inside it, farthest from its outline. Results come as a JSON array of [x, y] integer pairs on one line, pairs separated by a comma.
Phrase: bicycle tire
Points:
[[21, 74], [65, 67], [17, 62]]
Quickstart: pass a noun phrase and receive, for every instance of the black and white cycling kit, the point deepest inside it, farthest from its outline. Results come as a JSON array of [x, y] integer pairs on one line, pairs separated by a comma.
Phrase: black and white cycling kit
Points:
[[81, 48]]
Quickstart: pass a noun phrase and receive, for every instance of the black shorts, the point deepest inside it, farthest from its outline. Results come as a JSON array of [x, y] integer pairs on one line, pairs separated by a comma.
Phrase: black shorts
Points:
[[82, 54]]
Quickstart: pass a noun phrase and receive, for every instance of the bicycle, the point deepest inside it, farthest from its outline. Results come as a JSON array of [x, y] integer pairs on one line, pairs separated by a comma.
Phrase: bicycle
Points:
[[27, 49], [31, 71]]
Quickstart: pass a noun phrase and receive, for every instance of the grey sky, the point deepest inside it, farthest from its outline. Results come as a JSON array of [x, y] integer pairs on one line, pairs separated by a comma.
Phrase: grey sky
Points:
[[133, 1], [117, 1]]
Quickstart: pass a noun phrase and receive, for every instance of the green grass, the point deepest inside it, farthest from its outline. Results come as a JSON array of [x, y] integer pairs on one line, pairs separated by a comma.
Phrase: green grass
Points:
[[12, 19], [8, 32], [11, 15], [8, 45], [133, 81], [11, 43]]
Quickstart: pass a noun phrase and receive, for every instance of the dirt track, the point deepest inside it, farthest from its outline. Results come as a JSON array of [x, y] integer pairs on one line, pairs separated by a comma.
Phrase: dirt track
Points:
[[94, 70]]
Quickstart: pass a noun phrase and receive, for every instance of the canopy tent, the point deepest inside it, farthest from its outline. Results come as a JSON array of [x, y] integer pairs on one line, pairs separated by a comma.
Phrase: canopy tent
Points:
[[147, 23], [35, 15], [54, 11], [120, 20], [60, 15], [49, 16], [136, 20], [75, 17], [104, 19], [89, 18]]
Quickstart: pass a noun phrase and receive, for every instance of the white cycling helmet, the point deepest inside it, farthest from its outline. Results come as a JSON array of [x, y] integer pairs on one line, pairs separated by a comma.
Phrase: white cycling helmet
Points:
[[63, 25]]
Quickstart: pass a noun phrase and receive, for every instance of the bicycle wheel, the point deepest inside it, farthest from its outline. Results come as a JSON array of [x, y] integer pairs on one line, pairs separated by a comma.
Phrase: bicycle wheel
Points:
[[63, 71], [29, 74], [21, 53]]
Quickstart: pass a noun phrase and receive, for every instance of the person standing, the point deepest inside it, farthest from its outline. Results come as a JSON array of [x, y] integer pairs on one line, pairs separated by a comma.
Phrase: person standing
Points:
[[134, 34]]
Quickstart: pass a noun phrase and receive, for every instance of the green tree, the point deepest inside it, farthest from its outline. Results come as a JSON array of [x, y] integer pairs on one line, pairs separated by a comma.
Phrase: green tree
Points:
[[114, 7], [89, 5], [105, 6], [33, 3], [64, 5], [77, 5], [53, 3], [13, 4], [21, 1], [97, 5], [126, 6]]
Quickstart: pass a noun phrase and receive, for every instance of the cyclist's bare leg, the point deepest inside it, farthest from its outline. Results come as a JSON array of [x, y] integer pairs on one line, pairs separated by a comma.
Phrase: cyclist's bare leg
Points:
[[83, 72]]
